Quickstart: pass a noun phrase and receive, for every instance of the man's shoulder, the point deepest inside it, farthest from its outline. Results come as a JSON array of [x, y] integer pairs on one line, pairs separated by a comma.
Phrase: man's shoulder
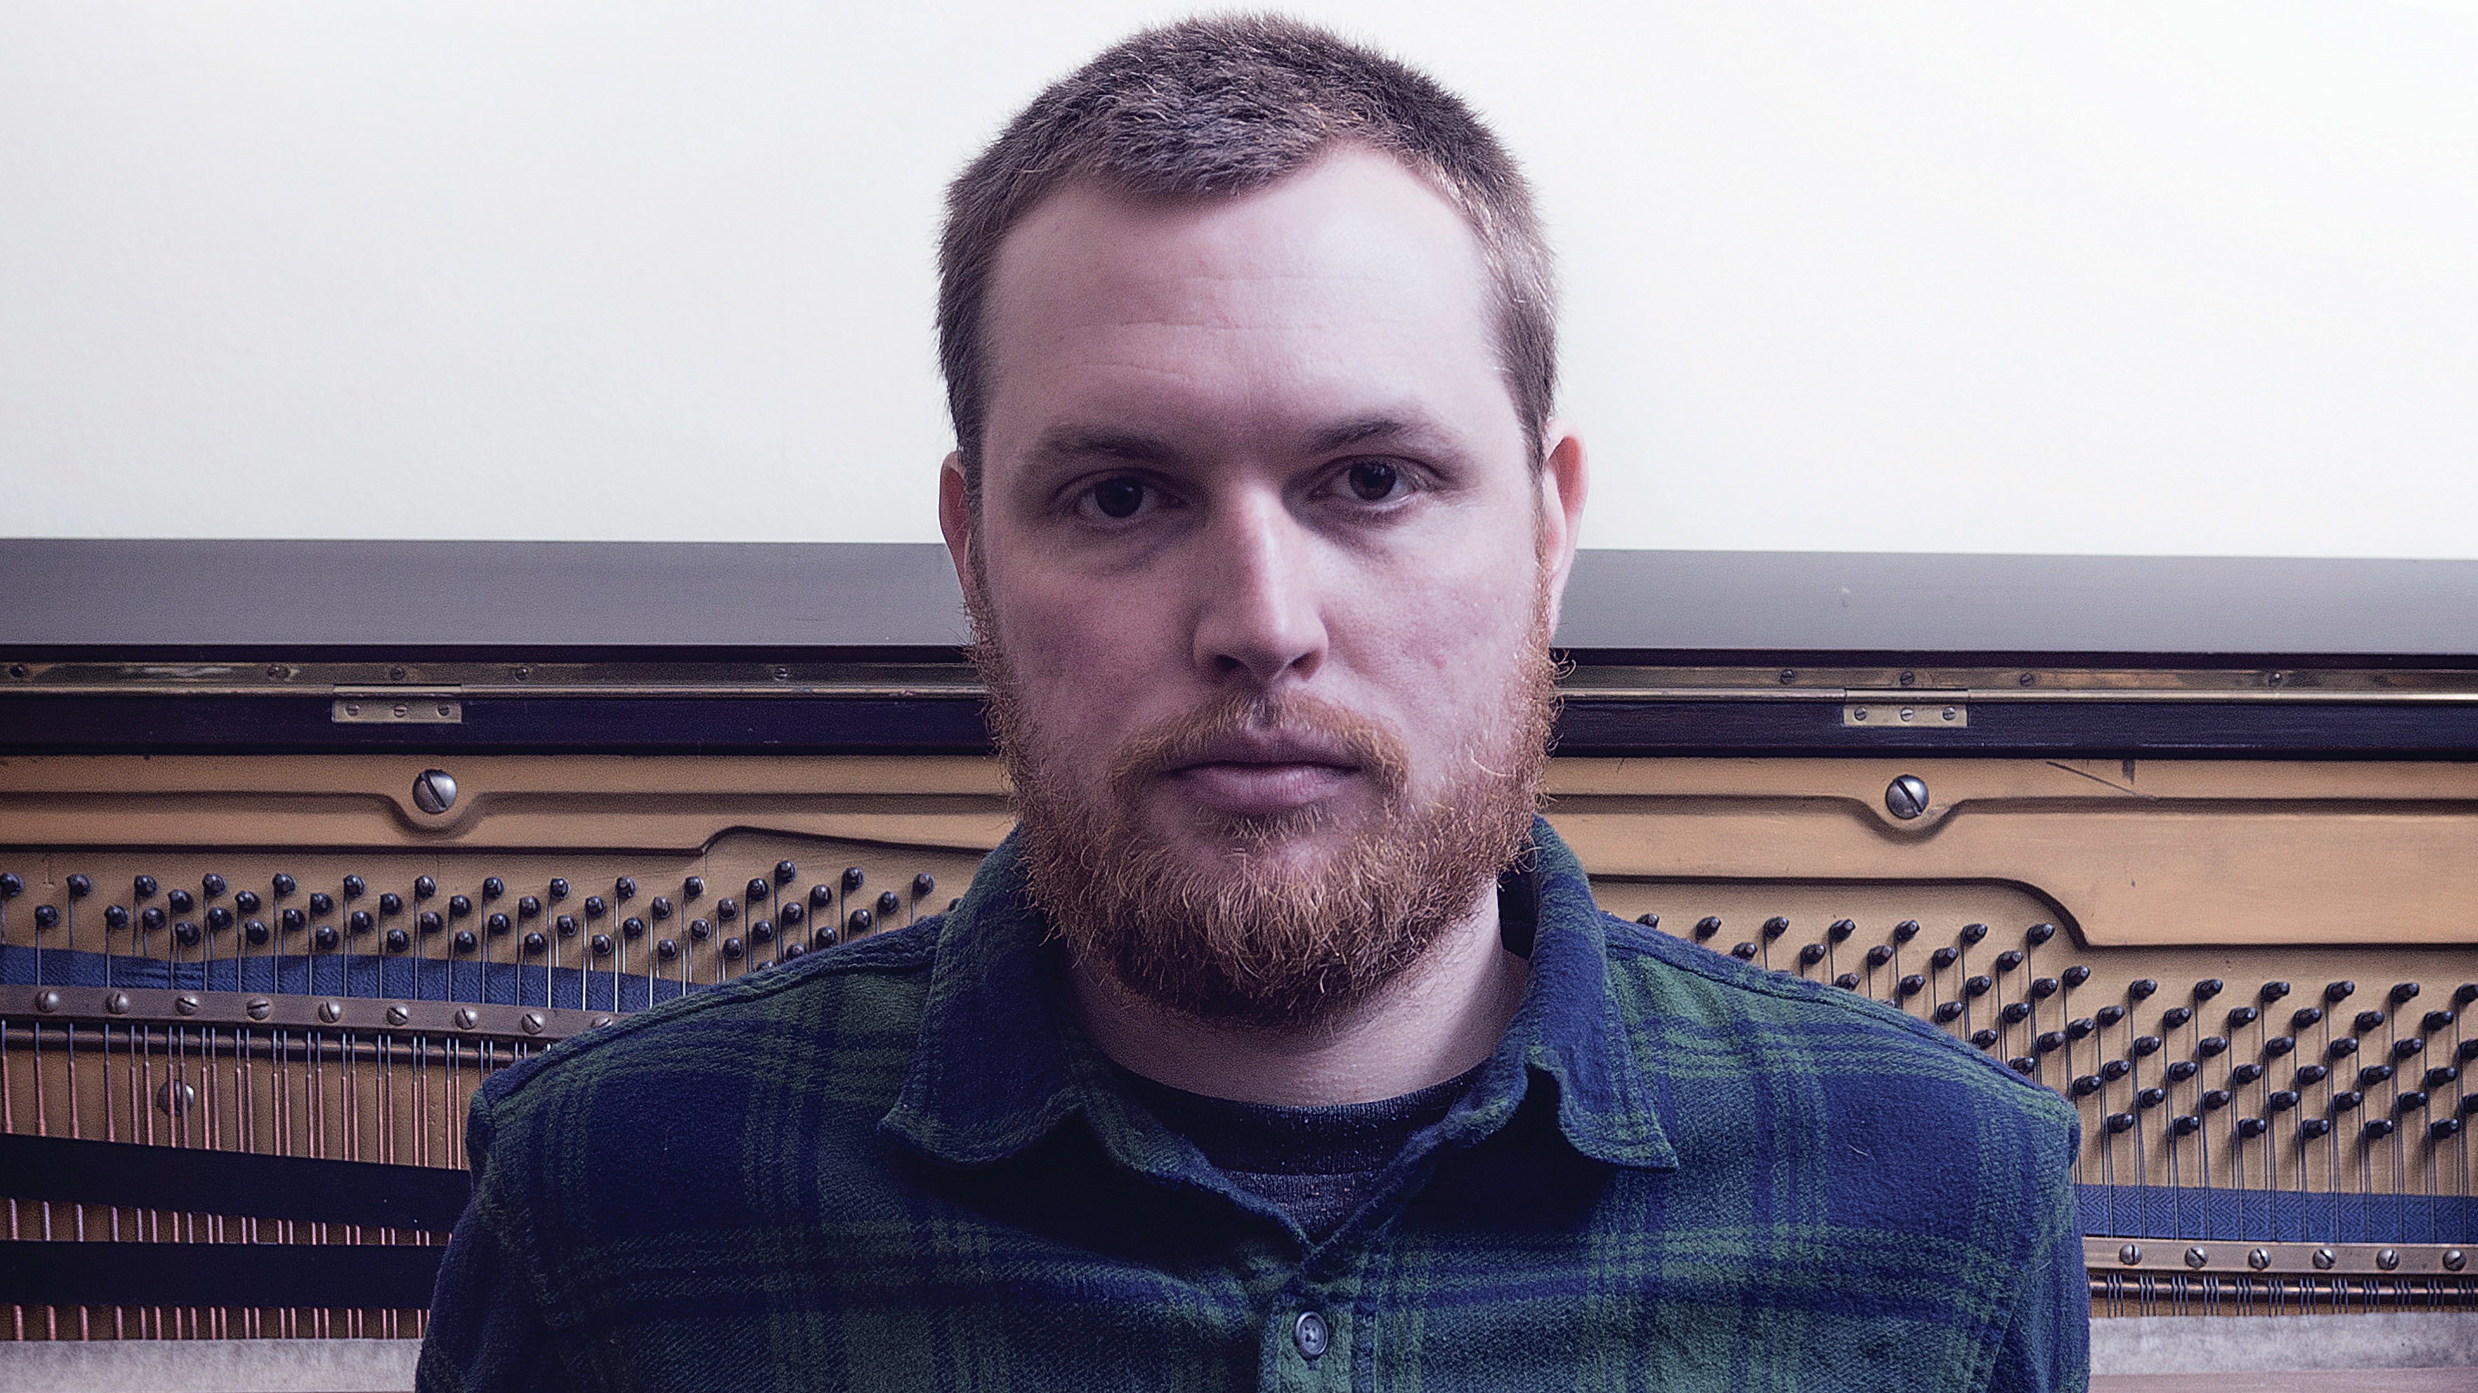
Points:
[[845, 1019], [1694, 1007]]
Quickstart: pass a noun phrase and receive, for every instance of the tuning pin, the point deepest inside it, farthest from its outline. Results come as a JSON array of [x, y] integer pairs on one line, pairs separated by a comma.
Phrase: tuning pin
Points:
[[853, 878], [2038, 934], [692, 887], [924, 885], [757, 889], [1707, 926], [2403, 992], [493, 887], [785, 872], [1905, 931], [391, 903], [424, 887], [2077, 974]]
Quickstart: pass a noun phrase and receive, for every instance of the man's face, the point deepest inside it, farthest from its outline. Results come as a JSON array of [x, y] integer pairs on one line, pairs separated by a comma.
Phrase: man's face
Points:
[[1255, 457]]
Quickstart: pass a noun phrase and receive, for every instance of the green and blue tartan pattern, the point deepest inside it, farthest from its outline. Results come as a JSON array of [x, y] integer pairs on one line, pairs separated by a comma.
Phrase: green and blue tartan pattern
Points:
[[901, 1165]]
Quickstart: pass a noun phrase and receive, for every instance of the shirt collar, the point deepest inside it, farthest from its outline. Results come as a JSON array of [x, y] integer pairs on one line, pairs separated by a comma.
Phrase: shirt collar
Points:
[[1001, 1060]]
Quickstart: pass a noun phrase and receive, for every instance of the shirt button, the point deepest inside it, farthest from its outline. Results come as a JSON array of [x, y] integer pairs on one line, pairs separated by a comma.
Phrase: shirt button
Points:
[[1309, 1333]]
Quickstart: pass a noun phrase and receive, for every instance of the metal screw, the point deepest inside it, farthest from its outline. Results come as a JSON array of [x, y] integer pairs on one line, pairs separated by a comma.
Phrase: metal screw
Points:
[[186, 1004], [532, 1021], [352, 708], [2324, 1258], [1909, 677], [399, 1014], [2455, 1259], [601, 1021], [1788, 675], [1908, 712], [2130, 1254], [1950, 713], [17, 669], [434, 791], [260, 1008], [1859, 714], [47, 1001], [1906, 797], [2388, 1259], [523, 673], [782, 674], [395, 674], [275, 672], [2197, 1257], [465, 1018], [331, 1011], [2259, 1259], [174, 1097], [117, 1003]]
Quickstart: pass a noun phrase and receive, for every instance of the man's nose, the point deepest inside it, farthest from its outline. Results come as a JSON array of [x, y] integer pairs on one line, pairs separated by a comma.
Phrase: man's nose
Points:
[[1256, 600]]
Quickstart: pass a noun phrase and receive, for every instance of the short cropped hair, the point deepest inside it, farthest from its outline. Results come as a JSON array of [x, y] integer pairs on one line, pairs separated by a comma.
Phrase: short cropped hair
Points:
[[1214, 108]]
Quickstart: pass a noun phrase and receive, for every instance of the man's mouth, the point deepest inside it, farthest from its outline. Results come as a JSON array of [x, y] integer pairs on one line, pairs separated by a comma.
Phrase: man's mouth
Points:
[[1261, 773]]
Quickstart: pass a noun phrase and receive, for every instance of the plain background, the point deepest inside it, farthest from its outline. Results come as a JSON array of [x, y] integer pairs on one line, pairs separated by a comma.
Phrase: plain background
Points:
[[2188, 277]]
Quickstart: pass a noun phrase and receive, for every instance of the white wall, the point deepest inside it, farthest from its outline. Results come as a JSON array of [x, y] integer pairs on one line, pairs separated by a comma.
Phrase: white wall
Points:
[[2196, 276]]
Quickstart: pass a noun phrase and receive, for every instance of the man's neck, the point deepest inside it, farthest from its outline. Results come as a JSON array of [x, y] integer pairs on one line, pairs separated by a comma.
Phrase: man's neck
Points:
[[1440, 1019]]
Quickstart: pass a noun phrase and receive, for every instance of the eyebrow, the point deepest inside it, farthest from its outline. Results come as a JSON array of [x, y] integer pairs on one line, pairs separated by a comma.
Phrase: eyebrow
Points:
[[1070, 444], [1360, 432], [1067, 444]]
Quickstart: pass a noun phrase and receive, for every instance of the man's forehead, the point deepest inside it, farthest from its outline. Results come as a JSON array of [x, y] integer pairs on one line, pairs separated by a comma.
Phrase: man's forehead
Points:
[[1351, 216], [1351, 277]]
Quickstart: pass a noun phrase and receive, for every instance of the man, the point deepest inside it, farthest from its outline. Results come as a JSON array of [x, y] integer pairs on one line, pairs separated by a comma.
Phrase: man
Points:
[[1281, 1045]]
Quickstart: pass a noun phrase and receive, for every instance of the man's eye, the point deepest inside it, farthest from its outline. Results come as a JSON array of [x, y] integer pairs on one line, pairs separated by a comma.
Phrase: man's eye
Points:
[[1372, 481], [1118, 498]]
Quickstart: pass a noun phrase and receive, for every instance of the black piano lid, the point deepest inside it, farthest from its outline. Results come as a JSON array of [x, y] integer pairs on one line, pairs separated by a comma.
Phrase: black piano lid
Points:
[[1672, 645]]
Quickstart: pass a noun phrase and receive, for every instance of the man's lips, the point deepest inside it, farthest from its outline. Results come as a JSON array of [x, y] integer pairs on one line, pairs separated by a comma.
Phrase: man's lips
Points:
[[1252, 774]]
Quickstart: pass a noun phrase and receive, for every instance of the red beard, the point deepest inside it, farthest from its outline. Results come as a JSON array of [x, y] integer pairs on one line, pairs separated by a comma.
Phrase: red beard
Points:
[[1250, 940]]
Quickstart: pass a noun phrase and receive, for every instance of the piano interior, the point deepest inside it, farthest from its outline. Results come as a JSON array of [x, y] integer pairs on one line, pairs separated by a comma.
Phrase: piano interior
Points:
[[270, 919]]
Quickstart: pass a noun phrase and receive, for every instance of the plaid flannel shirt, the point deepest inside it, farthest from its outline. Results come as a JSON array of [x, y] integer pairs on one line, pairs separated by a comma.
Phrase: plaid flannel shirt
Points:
[[902, 1165]]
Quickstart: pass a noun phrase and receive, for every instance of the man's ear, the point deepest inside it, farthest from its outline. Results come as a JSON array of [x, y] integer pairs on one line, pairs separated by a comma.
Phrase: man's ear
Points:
[[955, 517], [1564, 480]]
